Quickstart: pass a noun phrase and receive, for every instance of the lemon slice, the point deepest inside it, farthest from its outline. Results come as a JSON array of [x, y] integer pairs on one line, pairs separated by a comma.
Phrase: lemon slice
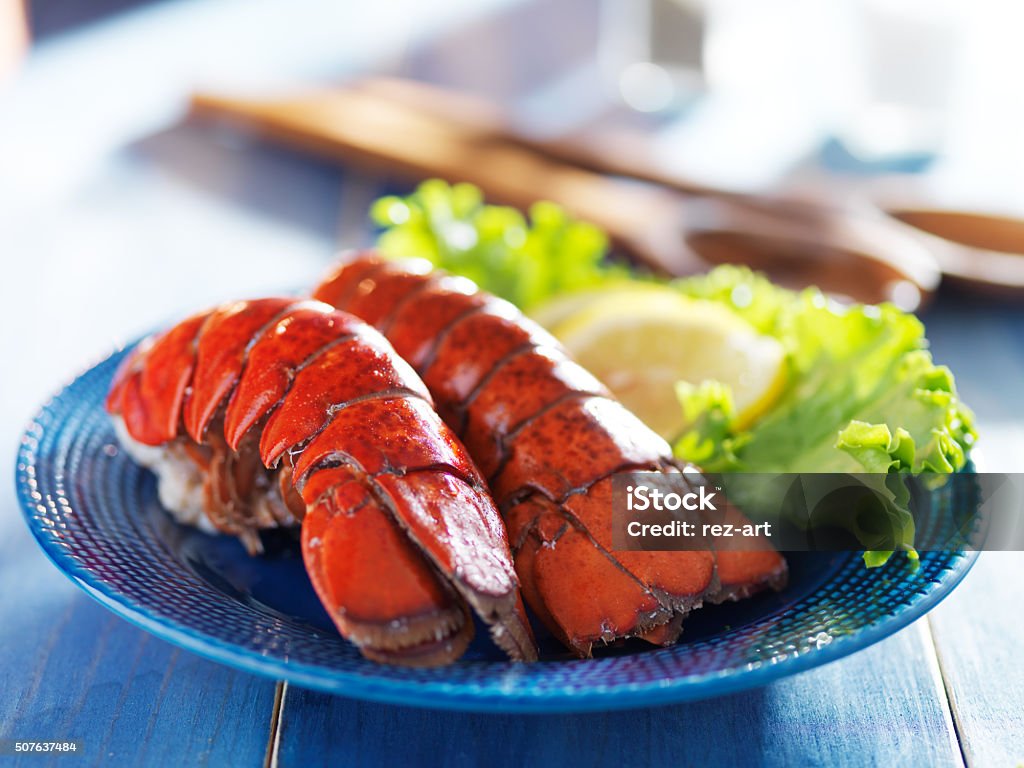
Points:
[[641, 342]]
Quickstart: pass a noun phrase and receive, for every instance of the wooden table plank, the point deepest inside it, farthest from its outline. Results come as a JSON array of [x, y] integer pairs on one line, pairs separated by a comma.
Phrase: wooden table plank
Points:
[[884, 706], [72, 670], [979, 634]]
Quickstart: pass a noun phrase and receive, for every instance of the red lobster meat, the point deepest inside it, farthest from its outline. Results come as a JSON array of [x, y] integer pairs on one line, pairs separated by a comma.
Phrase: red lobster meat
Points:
[[549, 438], [268, 412]]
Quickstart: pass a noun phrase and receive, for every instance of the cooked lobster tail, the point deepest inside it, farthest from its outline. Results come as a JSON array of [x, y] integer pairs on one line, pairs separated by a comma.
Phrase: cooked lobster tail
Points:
[[276, 411], [549, 438]]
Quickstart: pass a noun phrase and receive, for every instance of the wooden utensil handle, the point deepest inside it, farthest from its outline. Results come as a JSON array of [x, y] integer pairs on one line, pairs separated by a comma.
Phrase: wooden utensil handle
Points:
[[384, 135]]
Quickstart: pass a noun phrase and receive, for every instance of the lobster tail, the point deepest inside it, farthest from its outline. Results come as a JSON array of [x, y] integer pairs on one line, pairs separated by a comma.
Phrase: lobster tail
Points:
[[549, 439], [284, 411]]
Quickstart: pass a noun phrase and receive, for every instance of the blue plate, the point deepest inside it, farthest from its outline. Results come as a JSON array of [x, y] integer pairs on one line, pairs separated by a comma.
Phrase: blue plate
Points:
[[96, 515]]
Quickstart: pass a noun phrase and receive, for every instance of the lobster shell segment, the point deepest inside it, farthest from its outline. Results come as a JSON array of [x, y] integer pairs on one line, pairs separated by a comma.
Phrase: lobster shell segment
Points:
[[149, 397], [295, 341], [226, 336], [550, 439], [345, 375], [395, 606], [284, 411], [579, 590]]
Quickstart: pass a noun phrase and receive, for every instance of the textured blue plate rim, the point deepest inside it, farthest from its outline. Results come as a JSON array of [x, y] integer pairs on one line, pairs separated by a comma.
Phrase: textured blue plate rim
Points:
[[453, 696]]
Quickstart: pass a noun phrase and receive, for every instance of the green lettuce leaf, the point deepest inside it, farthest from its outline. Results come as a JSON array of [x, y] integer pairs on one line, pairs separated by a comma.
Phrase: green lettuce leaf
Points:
[[524, 260], [863, 394]]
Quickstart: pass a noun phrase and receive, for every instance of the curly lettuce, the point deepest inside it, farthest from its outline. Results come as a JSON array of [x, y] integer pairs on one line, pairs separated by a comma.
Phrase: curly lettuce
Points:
[[862, 395], [526, 260]]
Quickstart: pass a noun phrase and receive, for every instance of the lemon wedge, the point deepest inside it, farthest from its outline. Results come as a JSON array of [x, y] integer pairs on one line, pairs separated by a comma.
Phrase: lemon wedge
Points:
[[640, 342]]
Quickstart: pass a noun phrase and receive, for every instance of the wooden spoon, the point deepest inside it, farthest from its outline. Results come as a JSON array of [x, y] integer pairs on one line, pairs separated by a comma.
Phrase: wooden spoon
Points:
[[676, 232], [981, 251]]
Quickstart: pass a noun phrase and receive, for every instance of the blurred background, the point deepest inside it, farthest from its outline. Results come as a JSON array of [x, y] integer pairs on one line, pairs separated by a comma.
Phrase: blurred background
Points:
[[116, 204]]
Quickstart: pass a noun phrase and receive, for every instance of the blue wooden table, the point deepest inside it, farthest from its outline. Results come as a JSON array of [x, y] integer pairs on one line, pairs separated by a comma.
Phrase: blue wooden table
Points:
[[114, 218]]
